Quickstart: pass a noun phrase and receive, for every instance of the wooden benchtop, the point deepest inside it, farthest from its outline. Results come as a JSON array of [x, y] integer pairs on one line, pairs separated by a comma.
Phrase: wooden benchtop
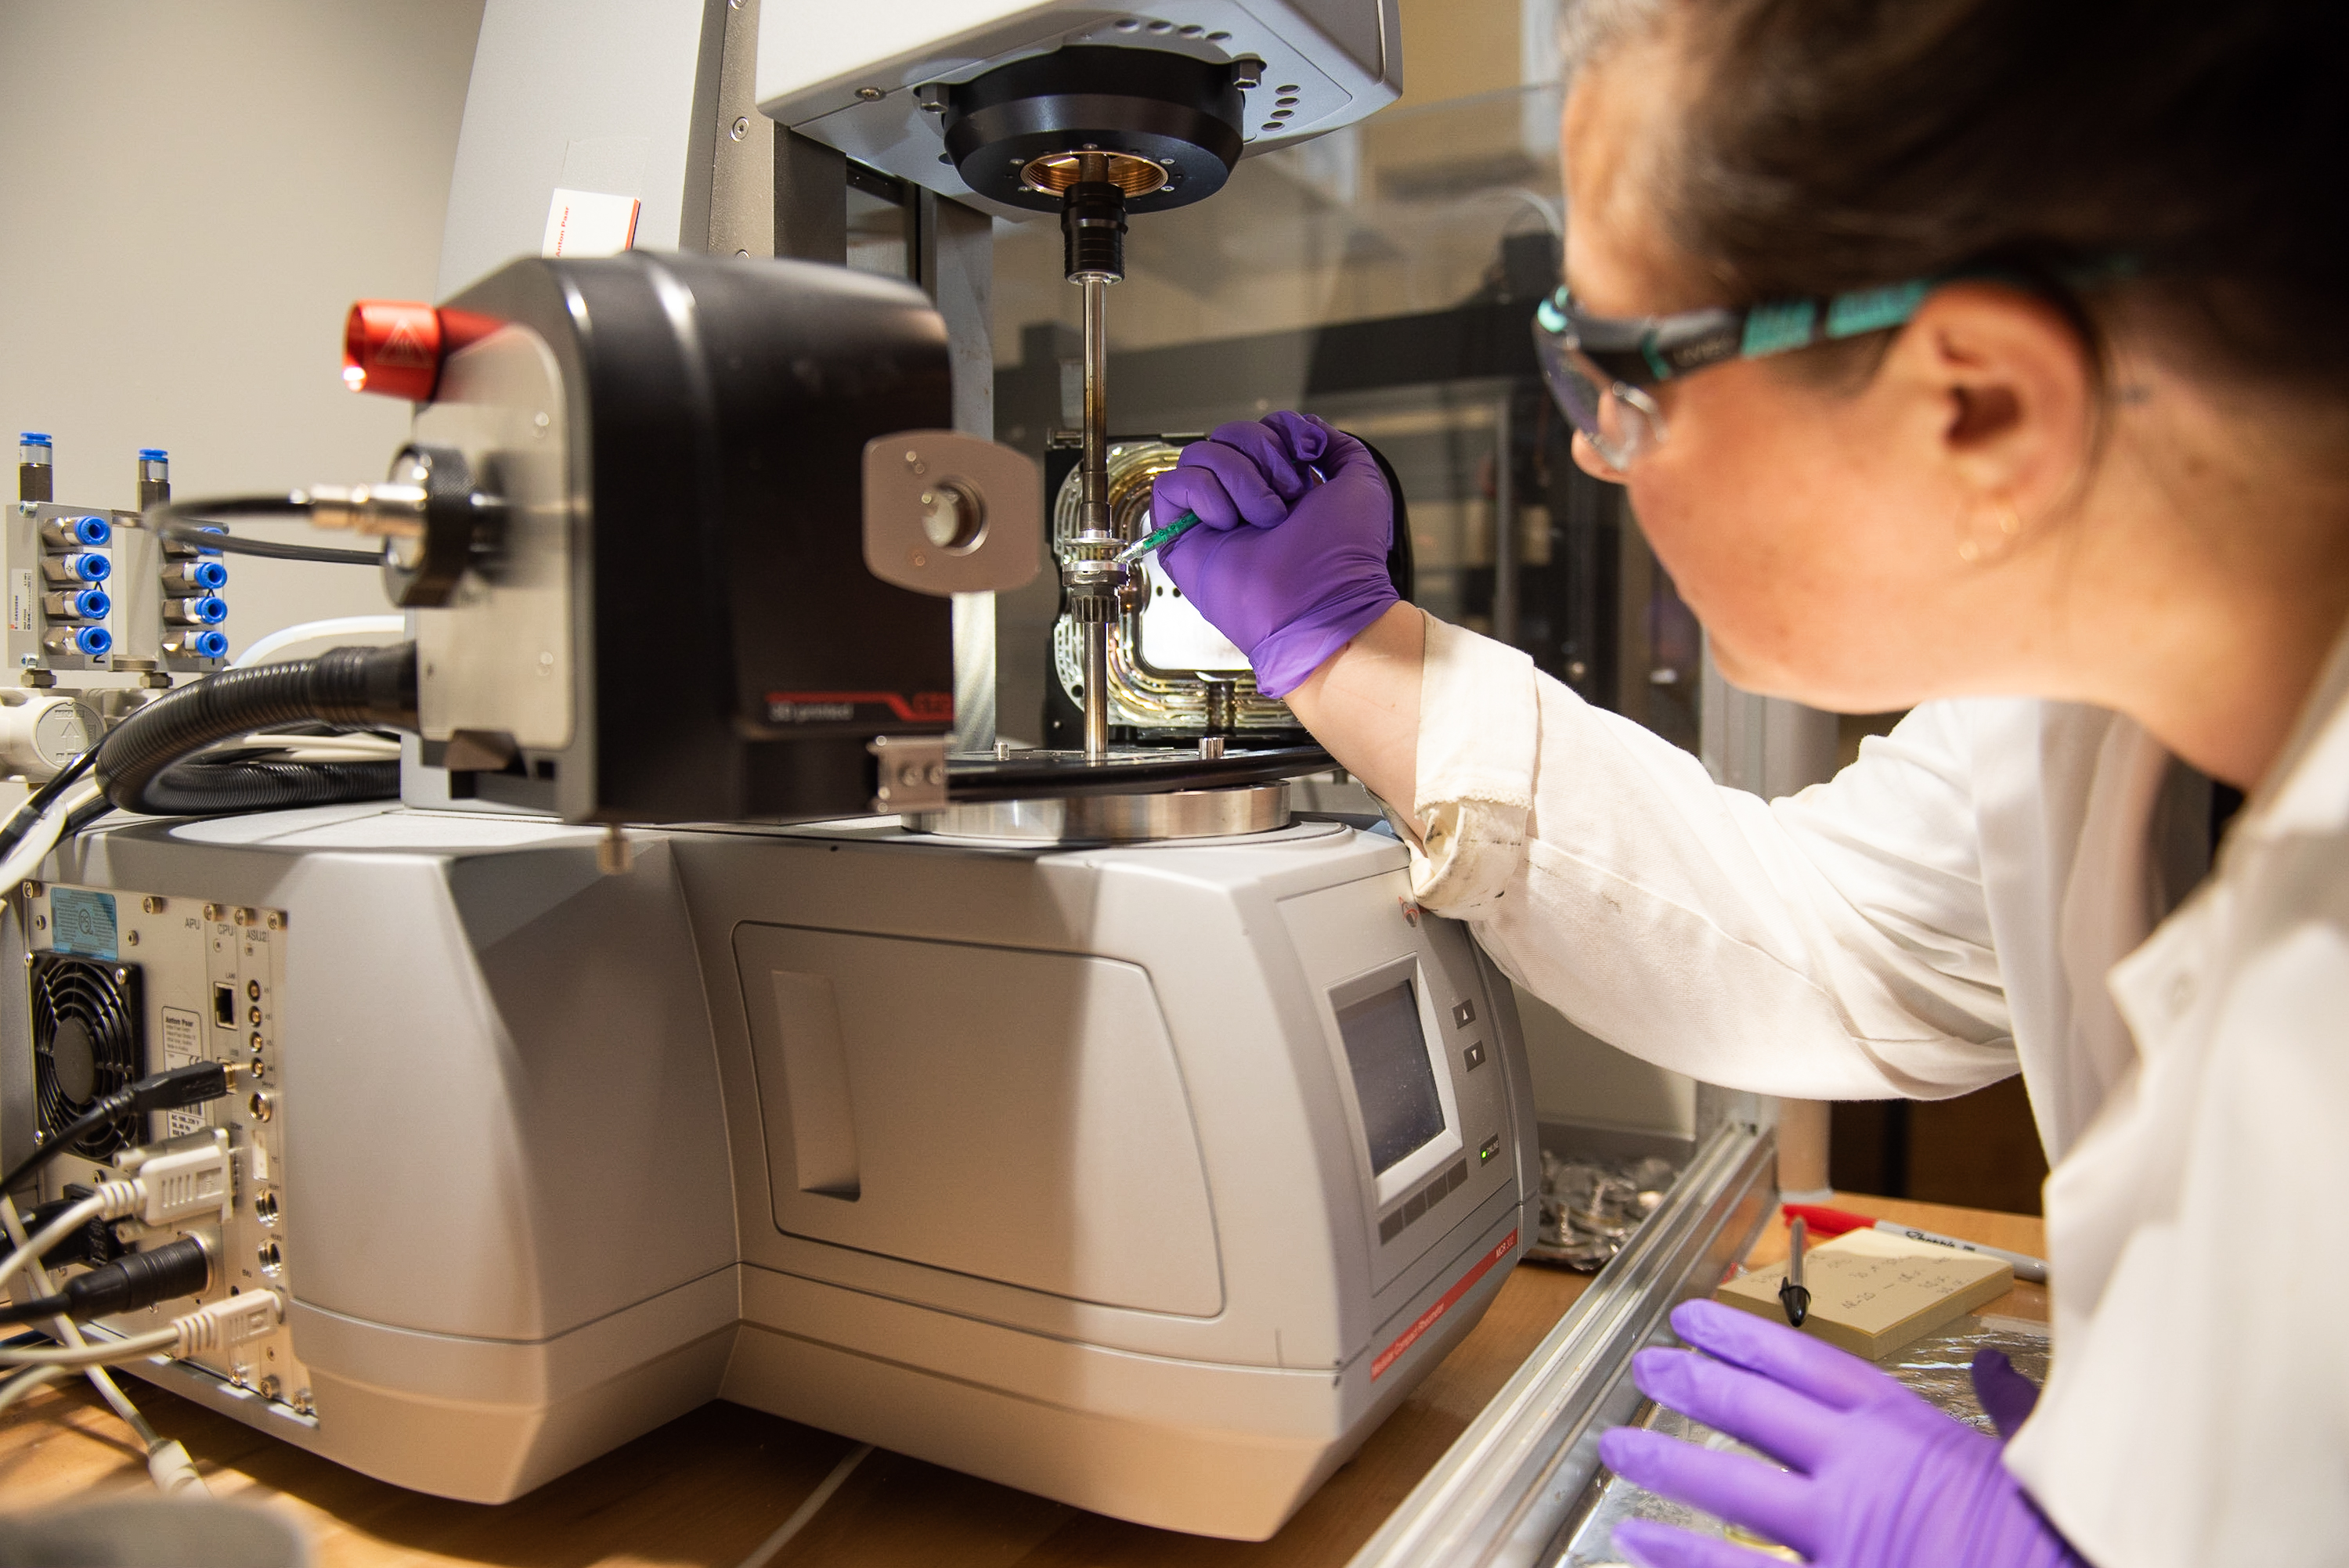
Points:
[[708, 1487]]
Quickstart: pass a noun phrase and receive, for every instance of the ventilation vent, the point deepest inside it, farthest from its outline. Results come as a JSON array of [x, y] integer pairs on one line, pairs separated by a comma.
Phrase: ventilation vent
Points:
[[86, 1045]]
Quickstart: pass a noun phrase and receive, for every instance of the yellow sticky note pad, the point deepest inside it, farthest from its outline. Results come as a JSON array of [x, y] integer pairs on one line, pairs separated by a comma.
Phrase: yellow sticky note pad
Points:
[[1872, 1293]]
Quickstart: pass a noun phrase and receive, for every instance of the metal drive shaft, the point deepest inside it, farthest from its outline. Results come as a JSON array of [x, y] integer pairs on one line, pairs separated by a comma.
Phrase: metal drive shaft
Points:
[[1095, 516], [1093, 222]]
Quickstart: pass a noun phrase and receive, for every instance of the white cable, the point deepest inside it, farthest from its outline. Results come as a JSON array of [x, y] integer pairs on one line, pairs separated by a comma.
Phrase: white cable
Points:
[[33, 1377], [765, 1550], [215, 1325], [73, 1357], [42, 836], [339, 626], [168, 1462], [359, 746]]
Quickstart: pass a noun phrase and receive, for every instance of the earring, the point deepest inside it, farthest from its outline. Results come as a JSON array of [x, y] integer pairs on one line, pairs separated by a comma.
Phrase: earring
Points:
[[2010, 526]]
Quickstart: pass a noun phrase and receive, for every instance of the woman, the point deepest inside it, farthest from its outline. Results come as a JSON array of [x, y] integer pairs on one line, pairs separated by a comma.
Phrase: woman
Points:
[[1990, 357]]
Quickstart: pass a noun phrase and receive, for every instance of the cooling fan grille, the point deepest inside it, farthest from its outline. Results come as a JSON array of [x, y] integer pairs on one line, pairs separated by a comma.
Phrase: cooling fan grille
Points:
[[86, 1044]]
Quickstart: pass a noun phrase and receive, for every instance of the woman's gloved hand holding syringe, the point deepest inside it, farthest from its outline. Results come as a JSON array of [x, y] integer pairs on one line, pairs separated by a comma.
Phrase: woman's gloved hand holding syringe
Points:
[[1288, 596], [1290, 562]]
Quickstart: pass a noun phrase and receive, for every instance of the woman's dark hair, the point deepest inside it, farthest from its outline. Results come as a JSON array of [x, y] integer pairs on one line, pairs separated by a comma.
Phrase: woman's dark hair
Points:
[[1832, 145]]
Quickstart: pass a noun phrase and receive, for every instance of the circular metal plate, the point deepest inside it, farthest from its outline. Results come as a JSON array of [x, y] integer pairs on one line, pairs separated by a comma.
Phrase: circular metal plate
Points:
[[1114, 819]]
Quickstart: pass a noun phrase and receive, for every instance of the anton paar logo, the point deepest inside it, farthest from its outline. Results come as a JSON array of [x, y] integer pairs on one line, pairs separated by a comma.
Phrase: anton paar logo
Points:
[[785, 710], [840, 707]]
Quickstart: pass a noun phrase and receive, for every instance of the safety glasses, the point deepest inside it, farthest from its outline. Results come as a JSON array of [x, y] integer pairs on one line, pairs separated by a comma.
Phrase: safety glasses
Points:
[[1603, 370]]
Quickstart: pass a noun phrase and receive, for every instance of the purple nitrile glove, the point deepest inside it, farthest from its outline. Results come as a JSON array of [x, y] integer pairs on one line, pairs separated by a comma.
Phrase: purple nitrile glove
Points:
[[2006, 1396], [1877, 1478], [1287, 563]]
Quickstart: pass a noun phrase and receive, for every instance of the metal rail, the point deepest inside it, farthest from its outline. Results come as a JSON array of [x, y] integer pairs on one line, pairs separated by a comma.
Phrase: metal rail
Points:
[[1507, 1493]]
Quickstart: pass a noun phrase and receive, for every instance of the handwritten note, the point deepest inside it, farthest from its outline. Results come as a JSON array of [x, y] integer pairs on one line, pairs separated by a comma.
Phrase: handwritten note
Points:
[[1873, 1293]]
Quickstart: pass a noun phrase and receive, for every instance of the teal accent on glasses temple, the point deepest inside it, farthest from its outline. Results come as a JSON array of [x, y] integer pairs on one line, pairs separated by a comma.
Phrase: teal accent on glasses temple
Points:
[[1774, 328], [1872, 310], [1651, 350]]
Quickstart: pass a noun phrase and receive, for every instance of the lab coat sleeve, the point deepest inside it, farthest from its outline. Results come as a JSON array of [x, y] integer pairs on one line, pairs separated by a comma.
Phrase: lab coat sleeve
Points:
[[1832, 946]]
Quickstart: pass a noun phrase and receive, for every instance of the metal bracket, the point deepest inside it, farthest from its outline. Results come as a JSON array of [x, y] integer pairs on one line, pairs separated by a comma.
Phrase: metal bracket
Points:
[[909, 773], [949, 513]]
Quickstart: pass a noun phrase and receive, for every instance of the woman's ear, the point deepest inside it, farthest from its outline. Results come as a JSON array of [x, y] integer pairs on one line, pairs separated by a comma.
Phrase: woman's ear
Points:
[[2004, 392]]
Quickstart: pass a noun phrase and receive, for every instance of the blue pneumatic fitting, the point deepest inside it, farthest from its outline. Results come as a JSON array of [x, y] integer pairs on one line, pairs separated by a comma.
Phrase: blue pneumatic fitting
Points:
[[33, 439], [95, 641], [91, 604], [92, 531], [208, 644], [211, 530], [212, 610], [207, 575], [89, 568], [152, 454]]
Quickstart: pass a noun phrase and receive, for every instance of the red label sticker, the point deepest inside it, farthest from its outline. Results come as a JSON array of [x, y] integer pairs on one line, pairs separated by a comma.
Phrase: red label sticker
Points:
[[1426, 1320]]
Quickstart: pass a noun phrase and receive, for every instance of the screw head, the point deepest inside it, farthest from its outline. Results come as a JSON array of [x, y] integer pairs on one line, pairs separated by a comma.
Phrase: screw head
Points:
[[741, 127], [871, 94]]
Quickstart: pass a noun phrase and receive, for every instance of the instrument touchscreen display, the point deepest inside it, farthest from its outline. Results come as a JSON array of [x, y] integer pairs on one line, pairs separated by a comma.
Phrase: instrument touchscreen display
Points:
[[1394, 1079]]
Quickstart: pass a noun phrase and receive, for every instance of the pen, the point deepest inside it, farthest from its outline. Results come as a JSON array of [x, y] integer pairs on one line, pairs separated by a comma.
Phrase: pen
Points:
[[1836, 1221], [1157, 537], [1792, 1295]]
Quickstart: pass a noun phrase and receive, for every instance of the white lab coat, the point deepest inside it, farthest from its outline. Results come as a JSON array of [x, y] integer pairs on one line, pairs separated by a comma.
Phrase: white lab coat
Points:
[[1946, 910]]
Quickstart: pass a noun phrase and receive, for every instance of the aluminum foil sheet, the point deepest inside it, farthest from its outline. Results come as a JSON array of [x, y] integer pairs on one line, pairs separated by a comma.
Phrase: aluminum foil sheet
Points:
[[1591, 1207], [1936, 1367]]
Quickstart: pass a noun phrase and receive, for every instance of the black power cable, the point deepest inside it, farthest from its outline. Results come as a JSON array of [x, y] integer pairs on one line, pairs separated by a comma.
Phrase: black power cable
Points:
[[176, 1089], [181, 521], [140, 1279], [21, 820]]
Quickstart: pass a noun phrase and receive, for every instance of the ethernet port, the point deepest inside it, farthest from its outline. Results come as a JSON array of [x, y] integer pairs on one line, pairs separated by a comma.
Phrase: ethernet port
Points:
[[225, 1007]]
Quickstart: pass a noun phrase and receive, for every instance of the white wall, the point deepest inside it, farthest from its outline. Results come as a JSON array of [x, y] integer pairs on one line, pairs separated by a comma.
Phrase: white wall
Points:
[[195, 190]]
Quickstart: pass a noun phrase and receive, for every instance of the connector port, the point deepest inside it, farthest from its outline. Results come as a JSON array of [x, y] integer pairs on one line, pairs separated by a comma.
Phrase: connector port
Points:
[[225, 1007]]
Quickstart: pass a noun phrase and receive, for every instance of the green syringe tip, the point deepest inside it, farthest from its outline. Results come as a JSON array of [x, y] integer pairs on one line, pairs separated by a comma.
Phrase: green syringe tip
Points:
[[1157, 537]]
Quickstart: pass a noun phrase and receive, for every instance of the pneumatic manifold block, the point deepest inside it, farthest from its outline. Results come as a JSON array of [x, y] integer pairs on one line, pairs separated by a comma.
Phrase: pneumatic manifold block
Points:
[[169, 595], [58, 563]]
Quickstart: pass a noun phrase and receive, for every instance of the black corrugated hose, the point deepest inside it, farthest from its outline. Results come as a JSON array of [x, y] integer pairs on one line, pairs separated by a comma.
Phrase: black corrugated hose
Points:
[[143, 765]]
